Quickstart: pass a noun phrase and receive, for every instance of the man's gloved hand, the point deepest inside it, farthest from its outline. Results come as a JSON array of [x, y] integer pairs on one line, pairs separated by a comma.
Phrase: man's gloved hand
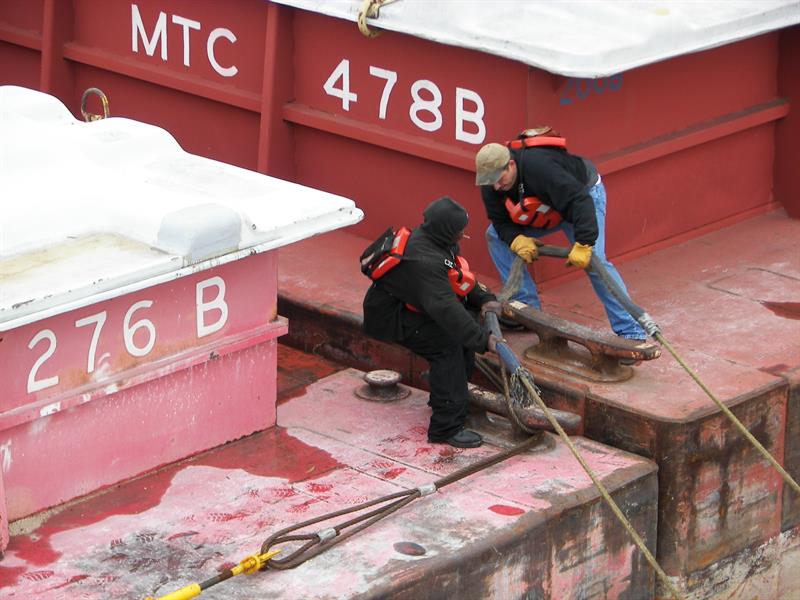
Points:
[[492, 306], [526, 248], [580, 255]]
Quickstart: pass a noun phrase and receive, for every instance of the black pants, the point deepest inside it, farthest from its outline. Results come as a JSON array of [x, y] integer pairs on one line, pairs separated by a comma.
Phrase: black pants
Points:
[[451, 364]]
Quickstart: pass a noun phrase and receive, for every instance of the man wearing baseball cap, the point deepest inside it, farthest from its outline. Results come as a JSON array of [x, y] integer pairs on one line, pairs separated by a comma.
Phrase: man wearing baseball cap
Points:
[[532, 187]]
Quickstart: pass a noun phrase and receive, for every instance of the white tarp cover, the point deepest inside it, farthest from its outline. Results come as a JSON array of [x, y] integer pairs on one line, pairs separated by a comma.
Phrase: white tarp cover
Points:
[[94, 210], [575, 38]]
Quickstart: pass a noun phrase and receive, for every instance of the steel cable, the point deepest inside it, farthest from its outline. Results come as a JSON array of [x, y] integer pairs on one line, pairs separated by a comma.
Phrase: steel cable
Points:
[[318, 542]]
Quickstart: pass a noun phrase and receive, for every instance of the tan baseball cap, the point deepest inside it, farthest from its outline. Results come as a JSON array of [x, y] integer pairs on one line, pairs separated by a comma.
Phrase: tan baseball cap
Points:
[[490, 162]]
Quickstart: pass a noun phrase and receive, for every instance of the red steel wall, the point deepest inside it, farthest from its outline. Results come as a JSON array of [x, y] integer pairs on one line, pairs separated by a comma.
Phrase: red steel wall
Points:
[[210, 113], [684, 145], [787, 138]]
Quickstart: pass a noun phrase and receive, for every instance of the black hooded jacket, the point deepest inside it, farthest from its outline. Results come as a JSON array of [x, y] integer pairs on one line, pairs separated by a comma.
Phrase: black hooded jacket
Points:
[[421, 280]]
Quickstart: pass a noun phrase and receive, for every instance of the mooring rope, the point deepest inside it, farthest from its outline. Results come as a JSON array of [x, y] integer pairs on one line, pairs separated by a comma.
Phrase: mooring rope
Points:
[[739, 425], [603, 491], [522, 384], [654, 331], [370, 9]]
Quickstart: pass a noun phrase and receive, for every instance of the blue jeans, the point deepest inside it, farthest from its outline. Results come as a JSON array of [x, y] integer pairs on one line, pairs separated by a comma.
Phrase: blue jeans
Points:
[[621, 322]]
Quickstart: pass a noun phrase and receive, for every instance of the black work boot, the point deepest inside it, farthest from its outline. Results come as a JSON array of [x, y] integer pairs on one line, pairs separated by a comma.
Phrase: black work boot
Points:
[[463, 439]]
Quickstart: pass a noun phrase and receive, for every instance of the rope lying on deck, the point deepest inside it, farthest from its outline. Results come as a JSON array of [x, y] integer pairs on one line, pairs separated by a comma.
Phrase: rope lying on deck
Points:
[[316, 542], [321, 541]]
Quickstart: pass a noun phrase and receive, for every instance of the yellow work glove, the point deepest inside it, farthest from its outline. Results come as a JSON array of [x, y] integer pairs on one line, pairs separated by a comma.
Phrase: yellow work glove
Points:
[[526, 248], [580, 255]]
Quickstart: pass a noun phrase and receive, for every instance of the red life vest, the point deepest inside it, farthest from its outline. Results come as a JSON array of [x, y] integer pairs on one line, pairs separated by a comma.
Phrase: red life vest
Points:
[[462, 280], [392, 259], [531, 211]]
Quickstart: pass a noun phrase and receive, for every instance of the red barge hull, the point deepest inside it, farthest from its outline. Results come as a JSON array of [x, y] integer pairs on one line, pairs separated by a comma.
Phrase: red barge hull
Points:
[[697, 152]]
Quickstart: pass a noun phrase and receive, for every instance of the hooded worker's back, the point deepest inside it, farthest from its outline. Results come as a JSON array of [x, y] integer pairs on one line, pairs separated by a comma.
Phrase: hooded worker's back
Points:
[[421, 280]]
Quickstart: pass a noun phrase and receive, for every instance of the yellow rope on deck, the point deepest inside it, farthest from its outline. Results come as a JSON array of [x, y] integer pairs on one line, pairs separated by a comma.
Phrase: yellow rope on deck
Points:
[[739, 425], [512, 285], [603, 491]]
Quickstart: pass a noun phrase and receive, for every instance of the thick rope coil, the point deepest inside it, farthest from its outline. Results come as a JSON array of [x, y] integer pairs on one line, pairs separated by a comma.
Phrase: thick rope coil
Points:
[[370, 9]]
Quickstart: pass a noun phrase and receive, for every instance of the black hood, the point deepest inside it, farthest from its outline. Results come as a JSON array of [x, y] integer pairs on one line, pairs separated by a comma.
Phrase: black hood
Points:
[[444, 220]]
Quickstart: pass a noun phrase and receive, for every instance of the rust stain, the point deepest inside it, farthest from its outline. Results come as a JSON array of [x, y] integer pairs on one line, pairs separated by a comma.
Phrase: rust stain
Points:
[[734, 458], [124, 361]]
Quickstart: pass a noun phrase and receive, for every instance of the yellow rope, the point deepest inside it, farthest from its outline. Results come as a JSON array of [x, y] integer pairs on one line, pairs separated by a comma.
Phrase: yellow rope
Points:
[[604, 492], [370, 9], [751, 438], [726, 411]]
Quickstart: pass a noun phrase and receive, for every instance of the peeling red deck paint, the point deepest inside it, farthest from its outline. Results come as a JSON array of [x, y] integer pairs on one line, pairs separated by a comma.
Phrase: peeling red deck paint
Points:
[[394, 473], [509, 511], [220, 506], [271, 453]]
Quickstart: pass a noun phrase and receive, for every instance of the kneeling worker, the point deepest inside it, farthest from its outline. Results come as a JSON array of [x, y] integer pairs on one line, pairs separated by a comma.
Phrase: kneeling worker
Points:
[[418, 304]]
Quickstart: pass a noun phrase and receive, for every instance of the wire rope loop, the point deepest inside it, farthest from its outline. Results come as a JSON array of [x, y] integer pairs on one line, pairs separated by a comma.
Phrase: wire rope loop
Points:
[[428, 488], [327, 534]]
